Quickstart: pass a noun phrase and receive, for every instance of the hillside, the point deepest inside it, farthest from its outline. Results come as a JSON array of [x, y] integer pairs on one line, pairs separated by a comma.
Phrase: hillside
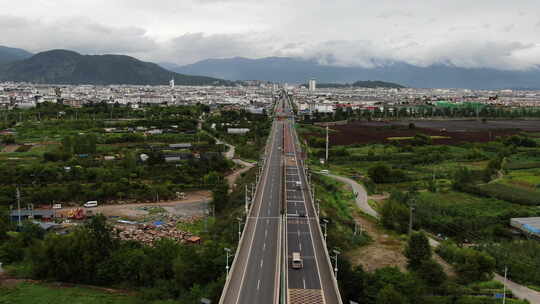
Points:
[[297, 70], [8, 54], [68, 67]]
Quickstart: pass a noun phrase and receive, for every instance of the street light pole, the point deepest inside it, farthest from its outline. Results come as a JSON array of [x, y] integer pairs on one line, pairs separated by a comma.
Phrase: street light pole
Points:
[[336, 253], [325, 222], [227, 251], [239, 228], [246, 200]]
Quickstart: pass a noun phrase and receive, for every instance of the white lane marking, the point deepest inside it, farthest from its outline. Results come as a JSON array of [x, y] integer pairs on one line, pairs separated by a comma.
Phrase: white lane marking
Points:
[[268, 212], [265, 178], [259, 284], [265, 232], [309, 224], [262, 262], [304, 281], [300, 245], [267, 221], [264, 246]]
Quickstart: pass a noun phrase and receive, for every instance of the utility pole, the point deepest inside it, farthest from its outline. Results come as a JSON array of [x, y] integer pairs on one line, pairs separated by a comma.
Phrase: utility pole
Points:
[[326, 160], [504, 285], [19, 204], [411, 215]]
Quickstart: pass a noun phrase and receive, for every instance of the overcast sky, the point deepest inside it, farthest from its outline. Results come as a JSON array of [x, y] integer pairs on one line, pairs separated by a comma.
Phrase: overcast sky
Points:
[[468, 33]]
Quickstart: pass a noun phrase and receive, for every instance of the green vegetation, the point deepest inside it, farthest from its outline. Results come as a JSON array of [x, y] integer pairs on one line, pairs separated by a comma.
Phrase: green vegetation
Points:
[[471, 265], [29, 293], [466, 193], [104, 152], [249, 145], [91, 254], [520, 256], [337, 206]]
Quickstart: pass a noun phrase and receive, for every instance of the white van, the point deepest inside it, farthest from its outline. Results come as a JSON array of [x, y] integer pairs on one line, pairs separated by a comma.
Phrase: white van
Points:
[[325, 172], [90, 204], [297, 262]]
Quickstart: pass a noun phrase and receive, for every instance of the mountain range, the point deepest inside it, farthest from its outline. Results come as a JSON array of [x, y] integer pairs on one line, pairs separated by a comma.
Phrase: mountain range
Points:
[[8, 54], [297, 70], [68, 67]]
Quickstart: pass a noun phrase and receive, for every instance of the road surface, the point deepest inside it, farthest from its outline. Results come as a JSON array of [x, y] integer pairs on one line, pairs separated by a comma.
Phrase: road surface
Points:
[[315, 282], [254, 277], [361, 198]]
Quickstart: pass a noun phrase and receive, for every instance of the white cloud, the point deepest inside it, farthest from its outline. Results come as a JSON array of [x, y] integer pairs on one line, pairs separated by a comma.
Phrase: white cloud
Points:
[[347, 32]]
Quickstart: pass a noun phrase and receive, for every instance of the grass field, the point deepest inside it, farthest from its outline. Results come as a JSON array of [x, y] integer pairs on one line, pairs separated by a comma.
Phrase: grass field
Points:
[[412, 137], [526, 177], [30, 293]]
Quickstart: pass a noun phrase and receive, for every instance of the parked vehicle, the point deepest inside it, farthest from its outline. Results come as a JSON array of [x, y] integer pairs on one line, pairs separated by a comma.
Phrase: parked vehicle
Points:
[[57, 206], [91, 204], [297, 262], [325, 172]]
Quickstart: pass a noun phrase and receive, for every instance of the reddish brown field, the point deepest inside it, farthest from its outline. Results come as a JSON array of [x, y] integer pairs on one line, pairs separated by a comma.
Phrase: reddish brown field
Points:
[[378, 132]]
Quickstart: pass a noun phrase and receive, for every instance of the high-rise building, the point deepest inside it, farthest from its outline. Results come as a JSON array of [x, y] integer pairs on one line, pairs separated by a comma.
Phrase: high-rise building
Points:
[[171, 83], [312, 84]]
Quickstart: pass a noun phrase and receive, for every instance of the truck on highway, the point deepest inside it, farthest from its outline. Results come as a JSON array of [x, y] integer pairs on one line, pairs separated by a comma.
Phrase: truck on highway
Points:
[[297, 262]]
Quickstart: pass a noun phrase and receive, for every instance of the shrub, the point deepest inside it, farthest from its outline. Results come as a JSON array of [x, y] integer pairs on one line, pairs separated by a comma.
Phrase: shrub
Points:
[[417, 250], [508, 193], [470, 264]]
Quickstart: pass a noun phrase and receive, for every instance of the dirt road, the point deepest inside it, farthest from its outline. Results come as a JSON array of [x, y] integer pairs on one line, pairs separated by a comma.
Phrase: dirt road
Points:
[[194, 201], [361, 194]]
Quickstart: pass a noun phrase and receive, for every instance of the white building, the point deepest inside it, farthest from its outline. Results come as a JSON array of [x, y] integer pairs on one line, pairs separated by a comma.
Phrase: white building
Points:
[[312, 85]]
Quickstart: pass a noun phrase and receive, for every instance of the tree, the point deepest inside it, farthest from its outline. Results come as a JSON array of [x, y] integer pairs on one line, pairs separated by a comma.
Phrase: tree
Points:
[[379, 173], [220, 196], [463, 177], [4, 224], [8, 140], [389, 295], [432, 273], [395, 216], [417, 250]]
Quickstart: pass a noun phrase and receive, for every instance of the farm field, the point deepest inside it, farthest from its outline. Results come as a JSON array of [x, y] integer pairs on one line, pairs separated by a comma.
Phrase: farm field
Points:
[[455, 131]]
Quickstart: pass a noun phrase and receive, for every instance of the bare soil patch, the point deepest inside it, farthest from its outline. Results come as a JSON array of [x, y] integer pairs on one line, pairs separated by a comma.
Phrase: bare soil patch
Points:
[[457, 131], [386, 250], [10, 148]]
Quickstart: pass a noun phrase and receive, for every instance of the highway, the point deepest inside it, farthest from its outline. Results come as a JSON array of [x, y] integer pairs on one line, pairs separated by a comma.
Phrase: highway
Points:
[[262, 261], [315, 282], [255, 274]]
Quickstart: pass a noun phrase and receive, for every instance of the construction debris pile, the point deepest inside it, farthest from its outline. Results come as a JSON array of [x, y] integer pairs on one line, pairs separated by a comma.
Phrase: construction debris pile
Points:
[[150, 233]]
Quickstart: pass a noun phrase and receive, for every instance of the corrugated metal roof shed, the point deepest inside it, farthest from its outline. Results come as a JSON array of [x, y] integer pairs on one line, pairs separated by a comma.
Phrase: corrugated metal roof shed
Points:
[[527, 224]]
